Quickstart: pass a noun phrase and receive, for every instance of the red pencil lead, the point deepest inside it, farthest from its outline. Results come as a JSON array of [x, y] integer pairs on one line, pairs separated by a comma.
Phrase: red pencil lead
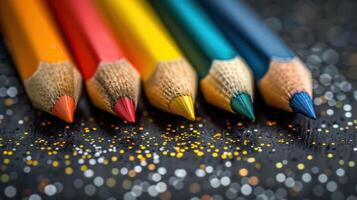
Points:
[[125, 108]]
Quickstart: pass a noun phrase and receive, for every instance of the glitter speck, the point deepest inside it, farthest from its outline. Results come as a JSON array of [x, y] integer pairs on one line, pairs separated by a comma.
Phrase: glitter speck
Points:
[[306, 177], [50, 190], [181, 173], [246, 189], [10, 191]]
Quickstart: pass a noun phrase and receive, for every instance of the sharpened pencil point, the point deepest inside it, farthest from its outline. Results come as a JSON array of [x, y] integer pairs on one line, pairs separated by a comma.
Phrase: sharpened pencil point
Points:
[[183, 106], [64, 108], [125, 108], [301, 102], [242, 103]]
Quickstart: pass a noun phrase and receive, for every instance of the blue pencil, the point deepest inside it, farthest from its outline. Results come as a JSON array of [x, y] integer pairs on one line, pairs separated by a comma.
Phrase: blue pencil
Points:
[[226, 80], [282, 78]]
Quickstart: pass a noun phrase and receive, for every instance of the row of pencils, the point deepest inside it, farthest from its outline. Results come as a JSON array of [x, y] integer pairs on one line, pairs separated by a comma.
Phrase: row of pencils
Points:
[[115, 43]]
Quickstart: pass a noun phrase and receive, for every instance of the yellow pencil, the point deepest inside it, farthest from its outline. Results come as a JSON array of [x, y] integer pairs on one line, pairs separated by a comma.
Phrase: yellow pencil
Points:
[[51, 81], [169, 80]]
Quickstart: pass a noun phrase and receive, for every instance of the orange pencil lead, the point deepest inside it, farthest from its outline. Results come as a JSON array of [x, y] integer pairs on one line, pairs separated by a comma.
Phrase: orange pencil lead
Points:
[[125, 108], [64, 108]]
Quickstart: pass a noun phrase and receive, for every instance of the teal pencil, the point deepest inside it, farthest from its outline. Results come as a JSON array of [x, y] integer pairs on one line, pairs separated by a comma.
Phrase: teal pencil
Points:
[[226, 81]]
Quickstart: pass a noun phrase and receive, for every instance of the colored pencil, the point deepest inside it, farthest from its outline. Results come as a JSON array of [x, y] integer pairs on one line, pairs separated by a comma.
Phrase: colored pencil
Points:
[[111, 81], [226, 80], [51, 81], [283, 79], [169, 80]]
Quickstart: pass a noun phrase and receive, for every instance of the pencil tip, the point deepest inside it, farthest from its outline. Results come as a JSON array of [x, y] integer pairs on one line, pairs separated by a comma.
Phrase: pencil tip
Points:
[[183, 106], [125, 108], [242, 103], [301, 102], [64, 108]]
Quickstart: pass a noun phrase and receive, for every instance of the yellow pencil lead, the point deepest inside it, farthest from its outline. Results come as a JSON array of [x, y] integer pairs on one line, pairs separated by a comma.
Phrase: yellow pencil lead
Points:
[[183, 106]]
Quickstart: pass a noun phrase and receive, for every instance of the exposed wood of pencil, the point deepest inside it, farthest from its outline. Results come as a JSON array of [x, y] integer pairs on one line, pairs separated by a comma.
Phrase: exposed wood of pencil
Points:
[[166, 74], [50, 81], [223, 81], [171, 79], [111, 81], [40, 56], [108, 75], [284, 79]]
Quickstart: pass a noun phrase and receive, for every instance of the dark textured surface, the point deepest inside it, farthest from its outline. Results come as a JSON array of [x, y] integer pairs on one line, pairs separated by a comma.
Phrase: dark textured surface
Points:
[[220, 156]]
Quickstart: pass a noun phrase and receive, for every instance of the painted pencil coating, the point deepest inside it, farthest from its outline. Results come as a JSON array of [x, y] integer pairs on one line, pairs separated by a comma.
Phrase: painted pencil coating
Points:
[[266, 54], [51, 81], [198, 25], [169, 80], [225, 76], [109, 77], [252, 27]]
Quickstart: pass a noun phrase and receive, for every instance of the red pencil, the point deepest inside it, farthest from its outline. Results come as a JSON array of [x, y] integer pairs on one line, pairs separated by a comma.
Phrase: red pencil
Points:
[[112, 83]]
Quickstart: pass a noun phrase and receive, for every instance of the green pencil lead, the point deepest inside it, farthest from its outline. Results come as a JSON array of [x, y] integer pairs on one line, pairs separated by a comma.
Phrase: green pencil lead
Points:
[[242, 103]]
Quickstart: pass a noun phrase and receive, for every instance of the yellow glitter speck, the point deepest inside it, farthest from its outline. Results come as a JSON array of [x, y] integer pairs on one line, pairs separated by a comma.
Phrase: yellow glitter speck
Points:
[[179, 155], [351, 163], [84, 168], [35, 163], [4, 178], [278, 165], [6, 161], [341, 162], [68, 170], [55, 163], [114, 158], [300, 166], [310, 157]]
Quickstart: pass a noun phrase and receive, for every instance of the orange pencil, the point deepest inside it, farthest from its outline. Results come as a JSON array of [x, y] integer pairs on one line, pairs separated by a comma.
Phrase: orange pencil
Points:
[[51, 81], [112, 83]]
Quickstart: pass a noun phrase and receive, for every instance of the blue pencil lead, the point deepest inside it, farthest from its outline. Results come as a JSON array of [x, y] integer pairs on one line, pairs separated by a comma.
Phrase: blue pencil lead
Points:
[[301, 102]]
